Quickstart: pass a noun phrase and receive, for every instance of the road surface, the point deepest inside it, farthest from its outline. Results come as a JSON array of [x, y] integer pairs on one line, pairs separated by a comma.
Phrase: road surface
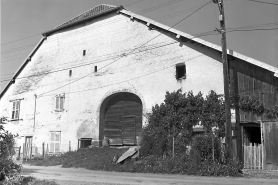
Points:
[[77, 176]]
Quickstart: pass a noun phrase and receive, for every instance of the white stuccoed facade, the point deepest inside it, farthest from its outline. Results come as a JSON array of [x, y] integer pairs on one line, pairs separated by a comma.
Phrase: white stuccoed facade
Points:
[[148, 73]]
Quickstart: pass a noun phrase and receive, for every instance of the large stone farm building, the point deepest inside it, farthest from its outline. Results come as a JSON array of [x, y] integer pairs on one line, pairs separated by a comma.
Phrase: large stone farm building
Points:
[[99, 73]]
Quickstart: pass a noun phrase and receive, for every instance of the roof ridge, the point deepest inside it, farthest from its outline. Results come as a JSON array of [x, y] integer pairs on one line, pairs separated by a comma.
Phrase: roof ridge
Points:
[[97, 10]]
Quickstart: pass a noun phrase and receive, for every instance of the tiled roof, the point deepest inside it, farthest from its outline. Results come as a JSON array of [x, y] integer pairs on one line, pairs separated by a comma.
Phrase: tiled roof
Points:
[[97, 10]]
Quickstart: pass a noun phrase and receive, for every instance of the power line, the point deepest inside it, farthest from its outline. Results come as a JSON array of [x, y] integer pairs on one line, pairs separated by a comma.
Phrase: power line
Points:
[[133, 3], [40, 33], [198, 35], [178, 13], [259, 29], [19, 48], [146, 10], [159, 6], [143, 11], [263, 2], [130, 52], [117, 54], [21, 39], [140, 76], [101, 60]]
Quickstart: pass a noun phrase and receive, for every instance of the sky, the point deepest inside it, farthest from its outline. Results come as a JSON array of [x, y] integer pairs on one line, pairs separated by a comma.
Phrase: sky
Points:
[[256, 22]]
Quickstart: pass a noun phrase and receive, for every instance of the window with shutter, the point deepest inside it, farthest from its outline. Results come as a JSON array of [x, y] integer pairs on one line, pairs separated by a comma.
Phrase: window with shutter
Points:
[[55, 142], [59, 102], [15, 110]]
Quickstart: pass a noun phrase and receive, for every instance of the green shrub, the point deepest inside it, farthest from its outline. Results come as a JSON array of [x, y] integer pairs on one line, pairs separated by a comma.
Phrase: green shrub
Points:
[[211, 168], [206, 147], [8, 169], [175, 118]]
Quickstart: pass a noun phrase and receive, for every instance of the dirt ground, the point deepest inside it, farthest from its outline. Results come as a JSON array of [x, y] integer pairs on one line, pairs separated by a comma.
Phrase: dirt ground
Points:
[[77, 176]]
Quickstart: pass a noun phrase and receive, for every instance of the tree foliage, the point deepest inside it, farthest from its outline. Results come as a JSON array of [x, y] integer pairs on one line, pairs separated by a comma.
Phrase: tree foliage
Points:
[[8, 169], [175, 118]]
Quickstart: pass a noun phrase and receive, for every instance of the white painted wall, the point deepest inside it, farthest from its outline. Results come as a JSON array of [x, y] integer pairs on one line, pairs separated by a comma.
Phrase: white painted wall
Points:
[[148, 74]]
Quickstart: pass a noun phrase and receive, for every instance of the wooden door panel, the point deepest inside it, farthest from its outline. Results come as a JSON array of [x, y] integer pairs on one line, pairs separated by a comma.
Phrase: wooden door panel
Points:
[[120, 119], [129, 130]]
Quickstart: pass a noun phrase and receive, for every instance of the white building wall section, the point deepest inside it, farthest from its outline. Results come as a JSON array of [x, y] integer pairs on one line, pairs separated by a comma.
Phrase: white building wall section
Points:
[[125, 63]]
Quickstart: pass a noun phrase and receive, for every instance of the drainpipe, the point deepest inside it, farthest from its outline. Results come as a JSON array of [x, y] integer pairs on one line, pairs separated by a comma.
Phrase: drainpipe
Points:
[[35, 113]]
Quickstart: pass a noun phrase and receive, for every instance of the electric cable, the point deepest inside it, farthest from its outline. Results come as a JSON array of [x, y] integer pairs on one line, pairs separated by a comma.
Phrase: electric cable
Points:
[[129, 53], [200, 34], [263, 2], [40, 33], [140, 76]]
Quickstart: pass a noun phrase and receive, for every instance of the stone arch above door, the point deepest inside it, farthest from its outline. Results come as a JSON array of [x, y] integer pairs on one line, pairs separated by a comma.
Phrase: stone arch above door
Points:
[[121, 118]]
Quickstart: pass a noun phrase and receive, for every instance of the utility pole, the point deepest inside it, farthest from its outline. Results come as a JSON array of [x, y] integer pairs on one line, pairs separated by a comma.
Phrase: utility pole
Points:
[[228, 126]]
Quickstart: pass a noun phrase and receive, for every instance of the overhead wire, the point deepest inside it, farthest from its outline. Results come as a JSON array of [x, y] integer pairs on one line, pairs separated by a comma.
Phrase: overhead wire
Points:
[[198, 35], [128, 53], [209, 33], [40, 33], [140, 76], [155, 46], [19, 48], [70, 45], [258, 29], [113, 21], [143, 11], [263, 2]]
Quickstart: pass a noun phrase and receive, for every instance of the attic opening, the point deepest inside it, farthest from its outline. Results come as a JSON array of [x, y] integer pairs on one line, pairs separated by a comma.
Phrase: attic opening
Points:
[[84, 52], [180, 71], [95, 68]]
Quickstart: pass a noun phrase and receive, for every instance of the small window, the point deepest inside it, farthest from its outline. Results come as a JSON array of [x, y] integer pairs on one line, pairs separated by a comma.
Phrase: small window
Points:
[[84, 142], [55, 142], [59, 102], [180, 71], [16, 109], [70, 73], [95, 68], [84, 52]]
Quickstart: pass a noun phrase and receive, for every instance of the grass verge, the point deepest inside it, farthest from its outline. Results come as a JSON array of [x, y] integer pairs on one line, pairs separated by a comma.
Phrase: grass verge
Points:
[[102, 159]]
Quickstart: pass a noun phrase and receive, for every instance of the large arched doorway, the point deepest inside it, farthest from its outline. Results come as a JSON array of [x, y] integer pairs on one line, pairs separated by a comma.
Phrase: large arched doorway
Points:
[[121, 118]]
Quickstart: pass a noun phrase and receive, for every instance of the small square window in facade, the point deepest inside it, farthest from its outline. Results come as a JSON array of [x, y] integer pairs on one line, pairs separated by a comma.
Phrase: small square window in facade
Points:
[[55, 142], [16, 110], [59, 102], [180, 71]]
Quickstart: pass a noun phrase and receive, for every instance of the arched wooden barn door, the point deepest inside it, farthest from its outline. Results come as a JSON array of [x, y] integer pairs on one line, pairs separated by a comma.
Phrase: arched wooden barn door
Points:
[[121, 118]]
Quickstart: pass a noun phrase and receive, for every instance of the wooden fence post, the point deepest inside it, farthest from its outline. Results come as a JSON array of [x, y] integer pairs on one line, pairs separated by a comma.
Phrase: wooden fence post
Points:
[[31, 147], [47, 150], [69, 146], [19, 149], [43, 149], [262, 141], [78, 144], [23, 151], [212, 148]]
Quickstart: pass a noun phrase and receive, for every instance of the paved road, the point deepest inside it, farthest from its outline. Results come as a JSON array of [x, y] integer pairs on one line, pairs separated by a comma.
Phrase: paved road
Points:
[[77, 176]]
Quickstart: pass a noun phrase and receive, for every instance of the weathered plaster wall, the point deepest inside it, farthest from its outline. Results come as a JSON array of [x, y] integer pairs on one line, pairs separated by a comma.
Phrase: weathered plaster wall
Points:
[[148, 72]]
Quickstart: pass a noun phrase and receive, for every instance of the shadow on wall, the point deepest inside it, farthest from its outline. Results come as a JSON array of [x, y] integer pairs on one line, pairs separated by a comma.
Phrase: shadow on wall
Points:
[[86, 130]]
